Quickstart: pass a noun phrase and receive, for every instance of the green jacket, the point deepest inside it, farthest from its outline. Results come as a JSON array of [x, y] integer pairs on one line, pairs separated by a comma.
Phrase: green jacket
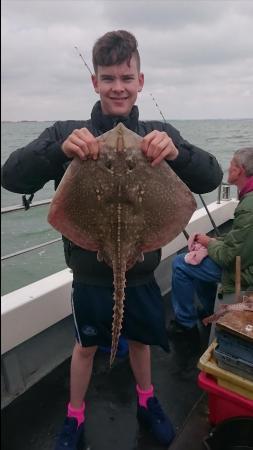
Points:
[[238, 242]]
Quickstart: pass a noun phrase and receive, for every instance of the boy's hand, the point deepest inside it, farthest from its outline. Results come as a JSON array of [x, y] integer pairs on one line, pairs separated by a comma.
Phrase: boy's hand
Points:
[[157, 146], [81, 143]]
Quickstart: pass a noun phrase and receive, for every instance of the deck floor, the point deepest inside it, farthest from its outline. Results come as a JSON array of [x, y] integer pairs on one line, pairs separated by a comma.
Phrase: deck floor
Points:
[[32, 421]]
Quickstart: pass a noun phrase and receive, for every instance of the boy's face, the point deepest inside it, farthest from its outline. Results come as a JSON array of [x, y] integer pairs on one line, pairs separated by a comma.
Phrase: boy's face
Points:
[[118, 87]]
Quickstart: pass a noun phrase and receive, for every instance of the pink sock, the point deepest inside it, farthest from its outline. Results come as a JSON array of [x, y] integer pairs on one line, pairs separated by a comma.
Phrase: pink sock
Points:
[[77, 413], [143, 396]]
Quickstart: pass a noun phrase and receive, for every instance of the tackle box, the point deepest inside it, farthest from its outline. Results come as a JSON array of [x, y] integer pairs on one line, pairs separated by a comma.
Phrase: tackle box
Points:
[[234, 345], [233, 364]]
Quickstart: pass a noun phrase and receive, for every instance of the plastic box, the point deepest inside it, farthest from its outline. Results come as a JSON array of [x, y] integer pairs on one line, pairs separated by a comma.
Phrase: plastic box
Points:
[[234, 345], [223, 403], [235, 365], [225, 378]]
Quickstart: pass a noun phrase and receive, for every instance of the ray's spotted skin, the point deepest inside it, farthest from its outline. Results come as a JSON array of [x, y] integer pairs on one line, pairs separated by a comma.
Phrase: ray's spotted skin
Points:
[[121, 207], [245, 305]]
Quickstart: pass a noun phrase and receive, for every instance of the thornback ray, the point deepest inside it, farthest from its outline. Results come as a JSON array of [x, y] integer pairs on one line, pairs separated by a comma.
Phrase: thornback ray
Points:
[[121, 207]]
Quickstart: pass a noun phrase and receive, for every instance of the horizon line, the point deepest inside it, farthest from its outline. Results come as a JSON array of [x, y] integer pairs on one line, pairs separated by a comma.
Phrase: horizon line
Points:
[[142, 120]]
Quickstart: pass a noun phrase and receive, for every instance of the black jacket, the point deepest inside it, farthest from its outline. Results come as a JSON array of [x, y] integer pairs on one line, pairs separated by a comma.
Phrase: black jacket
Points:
[[29, 168]]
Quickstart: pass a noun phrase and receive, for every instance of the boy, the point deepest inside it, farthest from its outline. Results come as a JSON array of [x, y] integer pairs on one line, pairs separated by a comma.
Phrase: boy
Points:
[[117, 79]]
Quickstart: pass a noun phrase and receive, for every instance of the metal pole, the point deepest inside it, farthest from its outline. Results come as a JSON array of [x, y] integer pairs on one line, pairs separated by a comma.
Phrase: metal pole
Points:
[[237, 279]]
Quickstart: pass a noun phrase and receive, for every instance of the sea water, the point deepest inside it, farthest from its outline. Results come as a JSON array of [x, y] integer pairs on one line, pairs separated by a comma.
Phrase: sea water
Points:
[[23, 229]]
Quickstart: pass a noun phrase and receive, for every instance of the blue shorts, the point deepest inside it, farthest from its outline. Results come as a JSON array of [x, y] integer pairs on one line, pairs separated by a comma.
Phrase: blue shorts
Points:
[[144, 315]]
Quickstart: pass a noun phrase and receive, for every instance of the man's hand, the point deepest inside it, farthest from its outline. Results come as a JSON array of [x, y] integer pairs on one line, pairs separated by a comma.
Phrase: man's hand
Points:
[[203, 239], [81, 143], [157, 146]]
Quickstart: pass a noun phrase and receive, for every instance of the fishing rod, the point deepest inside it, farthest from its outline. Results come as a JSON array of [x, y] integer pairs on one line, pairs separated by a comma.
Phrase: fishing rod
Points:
[[82, 58], [210, 217], [156, 104], [186, 235], [201, 198], [88, 68]]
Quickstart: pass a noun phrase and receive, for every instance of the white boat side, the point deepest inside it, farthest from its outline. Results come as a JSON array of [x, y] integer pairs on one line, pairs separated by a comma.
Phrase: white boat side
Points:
[[37, 306], [37, 326]]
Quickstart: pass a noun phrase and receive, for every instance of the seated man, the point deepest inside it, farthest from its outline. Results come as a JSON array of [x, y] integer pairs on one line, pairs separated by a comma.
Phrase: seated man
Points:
[[219, 265]]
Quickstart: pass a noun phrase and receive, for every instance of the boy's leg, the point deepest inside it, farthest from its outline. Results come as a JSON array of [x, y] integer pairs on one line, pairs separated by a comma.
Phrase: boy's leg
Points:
[[139, 355], [149, 411], [184, 278], [72, 433], [80, 373]]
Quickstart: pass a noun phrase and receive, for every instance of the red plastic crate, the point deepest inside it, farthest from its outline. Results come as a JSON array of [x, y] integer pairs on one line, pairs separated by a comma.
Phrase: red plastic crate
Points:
[[223, 403]]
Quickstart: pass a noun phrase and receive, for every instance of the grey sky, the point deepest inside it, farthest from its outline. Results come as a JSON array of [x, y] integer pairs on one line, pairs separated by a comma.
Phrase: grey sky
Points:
[[197, 56]]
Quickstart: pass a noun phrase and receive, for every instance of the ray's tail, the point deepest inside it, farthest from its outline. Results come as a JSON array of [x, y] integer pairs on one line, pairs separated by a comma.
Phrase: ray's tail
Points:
[[119, 271], [119, 278]]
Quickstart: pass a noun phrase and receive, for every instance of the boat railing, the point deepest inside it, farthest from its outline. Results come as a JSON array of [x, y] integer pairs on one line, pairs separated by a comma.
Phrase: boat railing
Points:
[[29, 249], [14, 208], [224, 194]]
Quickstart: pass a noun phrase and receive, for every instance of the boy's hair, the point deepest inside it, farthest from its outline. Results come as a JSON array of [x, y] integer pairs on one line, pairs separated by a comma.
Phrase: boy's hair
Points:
[[115, 47], [244, 157]]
